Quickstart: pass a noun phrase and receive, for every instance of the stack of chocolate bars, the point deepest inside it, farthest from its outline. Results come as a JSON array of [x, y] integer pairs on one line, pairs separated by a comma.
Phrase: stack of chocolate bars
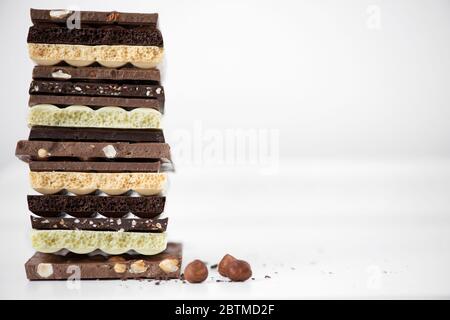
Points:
[[96, 152]]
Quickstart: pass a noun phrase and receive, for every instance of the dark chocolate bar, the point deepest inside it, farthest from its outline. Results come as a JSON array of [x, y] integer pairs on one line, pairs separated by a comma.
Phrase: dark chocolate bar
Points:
[[54, 150], [95, 17], [96, 102], [95, 134], [97, 166], [113, 35], [85, 206], [165, 265], [97, 89], [96, 73], [99, 224]]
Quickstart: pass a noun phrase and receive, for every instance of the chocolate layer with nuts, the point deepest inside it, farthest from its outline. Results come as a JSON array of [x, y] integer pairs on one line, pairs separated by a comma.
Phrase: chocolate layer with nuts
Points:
[[86, 206], [99, 224], [151, 76], [97, 89], [95, 134], [49, 150], [60, 16], [165, 265]]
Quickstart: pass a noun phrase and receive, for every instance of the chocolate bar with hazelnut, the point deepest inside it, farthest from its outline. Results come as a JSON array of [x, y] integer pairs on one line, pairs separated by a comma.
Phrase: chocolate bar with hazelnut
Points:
[[99, 224], [162, 266], [60, 16], [64, 72], [47, 206], [86, 151]]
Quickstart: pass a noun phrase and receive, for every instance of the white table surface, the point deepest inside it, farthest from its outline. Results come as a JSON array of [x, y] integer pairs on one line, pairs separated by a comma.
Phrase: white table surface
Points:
[[353, 229]]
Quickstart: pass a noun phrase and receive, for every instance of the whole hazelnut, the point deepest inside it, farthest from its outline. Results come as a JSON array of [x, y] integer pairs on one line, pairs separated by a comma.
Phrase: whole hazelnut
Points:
[[224, 264], [196, 272], [239, 270]]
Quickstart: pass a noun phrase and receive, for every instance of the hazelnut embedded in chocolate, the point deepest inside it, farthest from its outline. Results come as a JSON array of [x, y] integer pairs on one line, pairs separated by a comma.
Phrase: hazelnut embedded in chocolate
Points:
[[138, 267], [169, 265], [43, 153]]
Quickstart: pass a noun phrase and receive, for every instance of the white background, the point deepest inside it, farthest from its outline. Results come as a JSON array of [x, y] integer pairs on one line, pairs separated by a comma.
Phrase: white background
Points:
[[358, 204]]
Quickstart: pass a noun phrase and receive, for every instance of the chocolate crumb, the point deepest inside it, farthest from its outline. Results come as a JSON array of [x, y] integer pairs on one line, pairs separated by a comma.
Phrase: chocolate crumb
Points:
[[214, 266], [218, 280], [267, 277], [158, 283], [253, 278]]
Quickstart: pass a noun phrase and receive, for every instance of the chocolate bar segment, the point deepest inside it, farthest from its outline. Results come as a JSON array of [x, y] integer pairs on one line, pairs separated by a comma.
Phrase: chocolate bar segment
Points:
[[96, 73], [98, 166], [99, 224], [94, 17], [95, 134], [97, 89], [95, 36], [48, 150], [96, 102], [86, 206], [44, 266]]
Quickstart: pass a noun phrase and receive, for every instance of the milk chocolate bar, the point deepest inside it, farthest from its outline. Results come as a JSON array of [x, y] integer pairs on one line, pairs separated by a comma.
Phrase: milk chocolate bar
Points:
[[86, 206], [165, 265], [48, 150], [151, 76], [94, 18], [97, 166], [95, 134], [100, 224]]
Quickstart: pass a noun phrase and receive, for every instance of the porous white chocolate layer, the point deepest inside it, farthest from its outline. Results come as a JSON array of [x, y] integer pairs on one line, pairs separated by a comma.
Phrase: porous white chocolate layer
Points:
[[111, 242], [83, 116], [112, 56], [81, 183]]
